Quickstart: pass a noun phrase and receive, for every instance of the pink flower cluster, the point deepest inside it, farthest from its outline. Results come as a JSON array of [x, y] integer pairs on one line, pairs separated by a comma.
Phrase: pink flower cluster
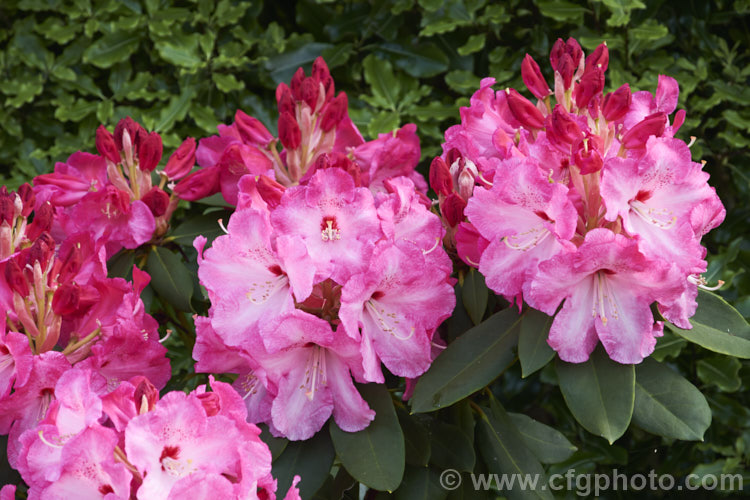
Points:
[[111, 195], [95, 442], [580, 197], [314, 130], [331, 264]]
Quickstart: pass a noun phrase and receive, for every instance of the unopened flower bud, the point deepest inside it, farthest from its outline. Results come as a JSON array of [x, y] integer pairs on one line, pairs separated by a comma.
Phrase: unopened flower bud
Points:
[[440, 177], [296, 84], [133, 129], [289, 132], [587, 157], [591, 84], [156, 200], [637, 136], [26, 195], [598, 59], [309, 92], [182, 160], [466, 181], [211, 403], [42, 221], [453, 209], [533, 78], [270, 190], [145, 395], [150, 150], [15, 278], [284, 99], [251, 130], [616, 104], [105, 144], [562, 129], [199, 184], [335, 112], [566, 58], [523, 110]]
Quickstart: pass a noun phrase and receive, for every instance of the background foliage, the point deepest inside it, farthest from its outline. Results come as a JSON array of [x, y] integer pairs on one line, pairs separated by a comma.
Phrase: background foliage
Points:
[[182, 67]]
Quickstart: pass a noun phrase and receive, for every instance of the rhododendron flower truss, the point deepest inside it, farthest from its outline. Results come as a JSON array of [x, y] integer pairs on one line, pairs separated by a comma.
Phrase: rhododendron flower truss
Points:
[[312, 287], [315, 132], [111, 194], [127, 443], [580, 196]]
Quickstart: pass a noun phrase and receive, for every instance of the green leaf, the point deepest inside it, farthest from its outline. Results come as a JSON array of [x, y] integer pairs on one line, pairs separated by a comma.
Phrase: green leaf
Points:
[[227, 83], [385, 86], [533, 350], [600, 393], [416, 439], [547, 444], [462, 81], [171, 279], [475, 43], [721, 371], [469, 363], [180, 51], [475, 295], [383, 122], [111, 49], [275, 445], [451, 447], [206, 225], [420, 61], [668, 345], [176, 109], [120, 265], [505, 453], [283, 66], [420, 483], [311, 460], [375, 455], [668, 405], [718, 327], [560, 10]]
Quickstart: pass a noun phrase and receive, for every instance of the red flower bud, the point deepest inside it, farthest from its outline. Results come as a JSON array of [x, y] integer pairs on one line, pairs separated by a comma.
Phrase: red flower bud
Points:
[[566, 58], [251, 129], [199, 184], [145, 395], [15, 277], [616, 104], [67, 299], [42, 221], [7, 208], [133, 128], [440, 177], [599, 58], [284, 99], [26, 193], [149, 151], [182, 160], [637, 136], [296, 84], [523, 110], [105, 144], [562, 129], [453, 209], [591, 84], [289, 131], [156, 200], [320, 70], [452, 155], [533, 78], [310, 91], [587, 156], [42, 250], [270, 190], [335, 112], [679, 119]]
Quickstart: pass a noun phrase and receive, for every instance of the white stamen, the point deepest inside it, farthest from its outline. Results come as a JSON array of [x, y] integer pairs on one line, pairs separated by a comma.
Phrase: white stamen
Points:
[[329, 233], [316, 368], [164, 339], [527, 239], [659, 217], [699, 280], [388, 322], [437, 242], [260, 292], [222, 226]]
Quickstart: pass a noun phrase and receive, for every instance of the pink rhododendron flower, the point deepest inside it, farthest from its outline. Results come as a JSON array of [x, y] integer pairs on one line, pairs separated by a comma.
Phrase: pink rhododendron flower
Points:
[[589, 200]]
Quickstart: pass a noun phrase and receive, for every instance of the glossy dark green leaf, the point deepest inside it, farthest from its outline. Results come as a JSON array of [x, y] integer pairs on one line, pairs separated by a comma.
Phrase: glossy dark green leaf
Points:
[[718, 327], [111, 49], [283, 66], [667, 404], [469, 363], [277, 445], [170, 278], [200, 225], [599, 393], [548, 445], [668, 345], [451, 447], [374, 456], [506, 454], [533, 350], [120, 265], [420, 483], [423, 60], [721, 371], [474, 294], [416, 439], [311, 460]]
